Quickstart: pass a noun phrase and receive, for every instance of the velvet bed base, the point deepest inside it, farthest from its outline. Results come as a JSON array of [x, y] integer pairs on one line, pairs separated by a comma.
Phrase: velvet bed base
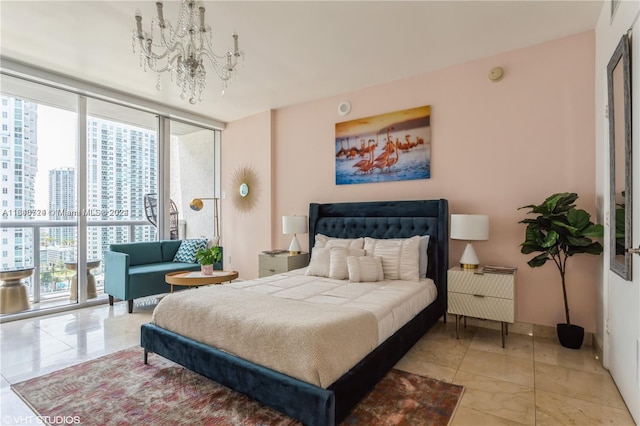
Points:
[[305, 402]]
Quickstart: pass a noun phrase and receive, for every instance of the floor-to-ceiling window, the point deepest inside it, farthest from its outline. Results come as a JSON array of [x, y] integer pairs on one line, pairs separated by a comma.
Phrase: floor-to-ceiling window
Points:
[[39, 187], [122, 171], [79, 173]]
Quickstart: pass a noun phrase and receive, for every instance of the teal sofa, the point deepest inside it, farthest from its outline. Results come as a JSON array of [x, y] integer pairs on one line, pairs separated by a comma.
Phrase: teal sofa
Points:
[[134, 270]]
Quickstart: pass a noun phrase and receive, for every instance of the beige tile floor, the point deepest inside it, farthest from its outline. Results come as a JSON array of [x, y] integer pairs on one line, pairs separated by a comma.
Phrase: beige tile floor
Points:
[[533, 381]]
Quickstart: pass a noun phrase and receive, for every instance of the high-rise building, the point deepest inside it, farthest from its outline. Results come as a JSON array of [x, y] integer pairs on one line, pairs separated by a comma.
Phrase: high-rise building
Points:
[[19, 164], [62, 204], [121, 169]]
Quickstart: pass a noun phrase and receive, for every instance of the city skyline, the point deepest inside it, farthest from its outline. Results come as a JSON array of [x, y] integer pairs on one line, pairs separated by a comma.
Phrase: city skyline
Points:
[[39, 175]]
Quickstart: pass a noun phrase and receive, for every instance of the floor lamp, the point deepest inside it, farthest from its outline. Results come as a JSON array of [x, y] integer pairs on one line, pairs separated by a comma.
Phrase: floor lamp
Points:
[[197, 204]]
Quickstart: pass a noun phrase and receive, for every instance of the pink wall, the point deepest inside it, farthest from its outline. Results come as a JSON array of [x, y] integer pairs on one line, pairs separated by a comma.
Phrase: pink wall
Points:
[[246, 233], [495, 147]]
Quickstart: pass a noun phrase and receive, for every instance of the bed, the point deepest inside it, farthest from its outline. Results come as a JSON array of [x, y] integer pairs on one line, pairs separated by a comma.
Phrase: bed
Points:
[[309, 403]]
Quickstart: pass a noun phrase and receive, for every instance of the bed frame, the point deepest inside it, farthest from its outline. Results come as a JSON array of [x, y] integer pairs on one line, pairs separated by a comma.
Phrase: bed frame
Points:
[[310, 404]]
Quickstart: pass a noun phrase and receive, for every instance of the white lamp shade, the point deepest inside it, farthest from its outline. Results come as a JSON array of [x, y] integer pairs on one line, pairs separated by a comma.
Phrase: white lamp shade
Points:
[[469, 227], [294, 224]]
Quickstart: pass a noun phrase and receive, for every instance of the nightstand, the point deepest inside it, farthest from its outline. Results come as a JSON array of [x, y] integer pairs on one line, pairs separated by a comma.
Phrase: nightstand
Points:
[[490, 296], [269, 264]]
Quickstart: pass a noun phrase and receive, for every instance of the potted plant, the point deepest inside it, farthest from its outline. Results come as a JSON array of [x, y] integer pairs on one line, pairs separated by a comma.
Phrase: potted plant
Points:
[[207, 257], [557, 233]]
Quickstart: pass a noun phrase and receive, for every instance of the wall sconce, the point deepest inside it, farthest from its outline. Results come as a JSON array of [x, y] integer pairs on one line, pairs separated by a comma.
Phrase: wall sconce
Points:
[[294, 225], [469, 227], [197, 204]]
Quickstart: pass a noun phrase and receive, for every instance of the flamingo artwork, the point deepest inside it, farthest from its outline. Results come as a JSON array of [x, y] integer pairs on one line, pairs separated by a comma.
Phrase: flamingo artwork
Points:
[[351, 152], [342, 151], [368, 149], [365, 166]]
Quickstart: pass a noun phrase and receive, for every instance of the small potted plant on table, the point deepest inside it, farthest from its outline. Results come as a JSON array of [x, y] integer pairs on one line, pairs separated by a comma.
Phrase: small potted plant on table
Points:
[[557, 233], [207, 257]]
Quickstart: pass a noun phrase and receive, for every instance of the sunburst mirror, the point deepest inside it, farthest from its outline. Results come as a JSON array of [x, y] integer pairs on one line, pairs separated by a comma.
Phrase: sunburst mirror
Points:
[[244, 184]]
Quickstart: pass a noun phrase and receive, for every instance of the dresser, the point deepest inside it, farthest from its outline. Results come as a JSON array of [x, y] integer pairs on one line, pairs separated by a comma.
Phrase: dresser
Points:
[[489, 296], [270, 264]]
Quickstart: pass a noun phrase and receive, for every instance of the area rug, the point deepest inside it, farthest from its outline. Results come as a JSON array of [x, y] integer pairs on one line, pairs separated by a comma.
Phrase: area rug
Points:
[[119, 389]]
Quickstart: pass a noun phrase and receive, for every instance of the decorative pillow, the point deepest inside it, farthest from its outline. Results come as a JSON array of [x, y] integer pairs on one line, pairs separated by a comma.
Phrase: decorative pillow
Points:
[[324, 241], [188, 249], [320, 261], [400, 257], [365, 269], [338, 261], [424, 258]]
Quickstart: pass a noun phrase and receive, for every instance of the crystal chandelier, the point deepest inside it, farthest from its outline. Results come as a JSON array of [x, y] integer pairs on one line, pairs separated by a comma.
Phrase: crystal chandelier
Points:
[[181, 51]]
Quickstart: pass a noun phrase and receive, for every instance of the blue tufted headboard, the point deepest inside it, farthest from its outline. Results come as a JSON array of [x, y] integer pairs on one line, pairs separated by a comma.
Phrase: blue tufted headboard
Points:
[[390, 219]]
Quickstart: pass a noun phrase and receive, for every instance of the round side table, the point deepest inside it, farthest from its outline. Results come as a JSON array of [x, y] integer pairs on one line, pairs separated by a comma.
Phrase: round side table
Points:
[[91, 280], [197, 278], [13, 292]]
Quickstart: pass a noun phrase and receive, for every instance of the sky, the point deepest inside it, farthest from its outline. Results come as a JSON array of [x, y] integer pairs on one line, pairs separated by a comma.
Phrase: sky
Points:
[[56, 147]]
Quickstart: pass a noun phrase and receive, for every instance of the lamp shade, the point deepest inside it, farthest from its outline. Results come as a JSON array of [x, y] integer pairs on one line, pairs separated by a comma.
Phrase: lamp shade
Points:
[[294, 224], [196, 204], [469, 227]]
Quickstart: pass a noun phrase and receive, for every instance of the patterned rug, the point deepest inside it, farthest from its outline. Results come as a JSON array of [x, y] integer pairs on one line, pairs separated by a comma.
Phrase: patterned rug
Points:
[[119, 389]]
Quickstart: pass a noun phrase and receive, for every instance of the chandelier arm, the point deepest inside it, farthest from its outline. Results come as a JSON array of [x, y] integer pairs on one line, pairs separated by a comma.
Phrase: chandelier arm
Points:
[[223, 72], [149, 53]]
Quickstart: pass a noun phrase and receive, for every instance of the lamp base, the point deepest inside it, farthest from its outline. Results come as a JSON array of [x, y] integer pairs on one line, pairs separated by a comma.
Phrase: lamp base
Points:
[[295, 248], [468, 266], [469, 260]]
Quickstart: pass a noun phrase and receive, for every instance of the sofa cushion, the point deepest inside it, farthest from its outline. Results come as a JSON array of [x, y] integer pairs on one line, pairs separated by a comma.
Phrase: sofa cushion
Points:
[[169, 249], [164, 267], [188, 249], [140, 253]]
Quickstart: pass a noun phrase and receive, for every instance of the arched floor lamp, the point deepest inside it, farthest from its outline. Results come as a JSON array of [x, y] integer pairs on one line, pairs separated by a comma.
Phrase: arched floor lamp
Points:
[[197, 204]]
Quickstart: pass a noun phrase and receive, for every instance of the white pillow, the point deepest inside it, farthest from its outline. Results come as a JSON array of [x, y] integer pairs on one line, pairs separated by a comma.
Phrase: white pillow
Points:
[[319, 263], [338, 264], [365, 269], [423, 257], [324, 241], [400, 257]]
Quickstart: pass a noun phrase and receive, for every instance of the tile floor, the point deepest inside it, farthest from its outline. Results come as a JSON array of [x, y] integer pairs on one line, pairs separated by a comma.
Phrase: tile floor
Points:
[[533, 381]]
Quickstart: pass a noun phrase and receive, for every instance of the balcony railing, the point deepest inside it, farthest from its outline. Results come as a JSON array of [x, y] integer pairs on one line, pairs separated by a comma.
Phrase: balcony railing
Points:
[[36, 225]]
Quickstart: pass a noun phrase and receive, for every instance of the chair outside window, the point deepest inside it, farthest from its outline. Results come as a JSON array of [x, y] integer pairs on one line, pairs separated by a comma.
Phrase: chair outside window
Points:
[[151, 212]]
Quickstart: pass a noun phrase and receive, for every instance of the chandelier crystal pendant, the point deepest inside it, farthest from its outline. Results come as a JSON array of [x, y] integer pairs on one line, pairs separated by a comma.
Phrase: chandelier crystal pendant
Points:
[[181, 51]]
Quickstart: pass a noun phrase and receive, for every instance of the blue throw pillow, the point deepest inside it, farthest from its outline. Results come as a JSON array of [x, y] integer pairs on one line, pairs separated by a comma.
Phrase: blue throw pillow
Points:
[[188, 249]]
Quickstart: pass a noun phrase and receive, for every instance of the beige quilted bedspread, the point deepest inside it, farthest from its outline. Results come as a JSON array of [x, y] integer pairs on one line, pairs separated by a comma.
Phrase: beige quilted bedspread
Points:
[[314, 343]]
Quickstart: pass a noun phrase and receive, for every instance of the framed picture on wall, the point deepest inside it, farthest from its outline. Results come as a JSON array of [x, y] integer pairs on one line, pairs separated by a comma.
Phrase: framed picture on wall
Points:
[[389, 147]]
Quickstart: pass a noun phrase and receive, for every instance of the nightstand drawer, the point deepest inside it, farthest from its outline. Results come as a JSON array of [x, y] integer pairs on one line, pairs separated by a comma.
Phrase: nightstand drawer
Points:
[[491, 308], [276, 264], [494, 285]]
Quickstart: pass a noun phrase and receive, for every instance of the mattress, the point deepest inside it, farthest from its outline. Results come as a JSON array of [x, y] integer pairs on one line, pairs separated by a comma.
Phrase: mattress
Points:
[[312, 328], [392, 302]]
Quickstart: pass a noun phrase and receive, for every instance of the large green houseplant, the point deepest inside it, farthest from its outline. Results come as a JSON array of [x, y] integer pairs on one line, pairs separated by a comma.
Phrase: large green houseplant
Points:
[[557, 233]]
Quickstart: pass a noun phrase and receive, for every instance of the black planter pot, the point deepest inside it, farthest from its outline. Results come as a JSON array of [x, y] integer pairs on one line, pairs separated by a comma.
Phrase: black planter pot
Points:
[[570, 336]]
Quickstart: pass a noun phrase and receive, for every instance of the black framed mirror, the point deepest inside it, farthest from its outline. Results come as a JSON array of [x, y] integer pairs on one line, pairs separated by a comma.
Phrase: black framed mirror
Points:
[[619, 110]]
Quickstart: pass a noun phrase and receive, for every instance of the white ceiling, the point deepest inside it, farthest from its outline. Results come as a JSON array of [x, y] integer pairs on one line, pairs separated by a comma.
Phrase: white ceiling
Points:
[[296, 51]]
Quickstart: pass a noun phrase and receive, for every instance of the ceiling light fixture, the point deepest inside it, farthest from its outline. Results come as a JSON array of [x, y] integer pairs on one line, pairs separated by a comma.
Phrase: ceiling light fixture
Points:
[[181, 50]]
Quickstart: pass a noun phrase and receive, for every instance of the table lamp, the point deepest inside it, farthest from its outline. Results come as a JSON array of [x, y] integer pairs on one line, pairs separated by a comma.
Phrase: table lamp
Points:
[[294, 225], [469, 227]]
